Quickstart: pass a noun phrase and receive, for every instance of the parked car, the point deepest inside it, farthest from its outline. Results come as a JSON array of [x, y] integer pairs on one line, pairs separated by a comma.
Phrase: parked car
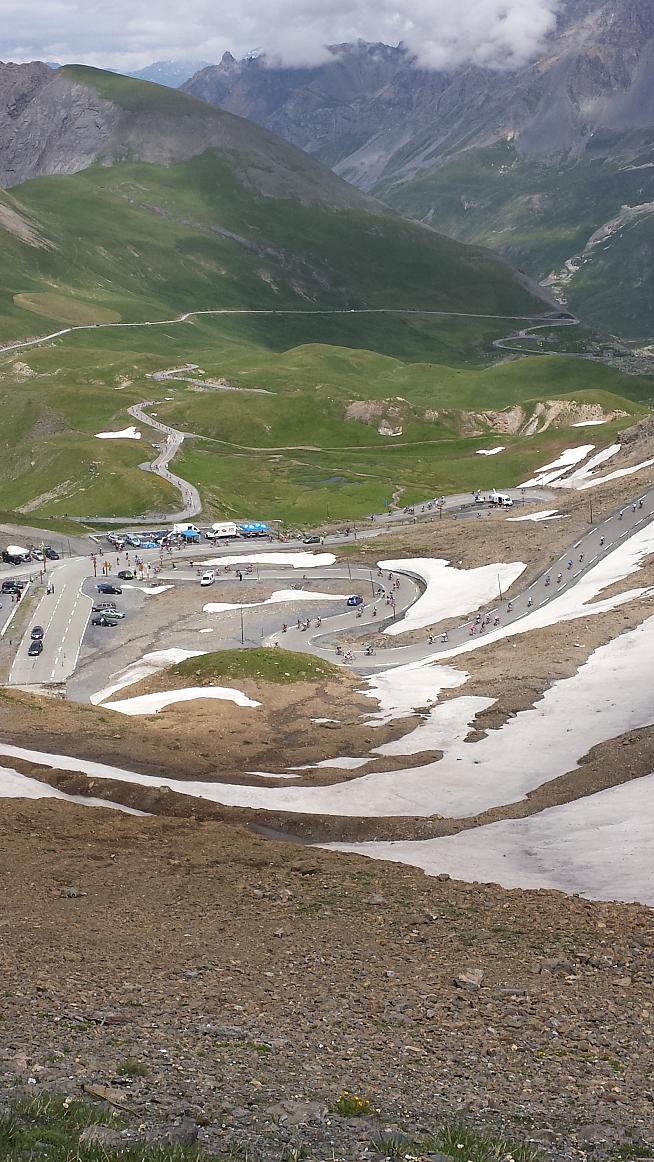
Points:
[[104, 619], [37, 633], [149, 544], [11, 587], [107, 587], [356, 599], [312, 540], [100, 606], [36, 647], [208, 578], [108, 610], [126, 575], [51, 554]]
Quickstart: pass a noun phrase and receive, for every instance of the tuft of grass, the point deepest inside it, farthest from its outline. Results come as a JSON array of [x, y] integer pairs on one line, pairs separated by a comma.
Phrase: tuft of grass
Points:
[[460, 1141], [50, 1126], [393, 1145], [263, 665]]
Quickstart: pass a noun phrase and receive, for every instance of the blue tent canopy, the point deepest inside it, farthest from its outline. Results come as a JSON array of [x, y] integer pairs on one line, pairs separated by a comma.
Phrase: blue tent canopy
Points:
[[190, 535], [254, 526]]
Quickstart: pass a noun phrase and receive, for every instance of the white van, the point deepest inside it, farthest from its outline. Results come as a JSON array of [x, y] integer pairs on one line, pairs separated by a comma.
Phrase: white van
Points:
[[208, 578], [222, 529]]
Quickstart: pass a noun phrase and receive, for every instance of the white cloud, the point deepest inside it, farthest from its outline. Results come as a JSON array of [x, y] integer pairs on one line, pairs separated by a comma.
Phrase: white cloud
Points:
[[128, 34]]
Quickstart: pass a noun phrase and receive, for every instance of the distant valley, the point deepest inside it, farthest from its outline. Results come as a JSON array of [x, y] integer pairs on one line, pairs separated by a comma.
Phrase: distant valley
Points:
[[552, 165]]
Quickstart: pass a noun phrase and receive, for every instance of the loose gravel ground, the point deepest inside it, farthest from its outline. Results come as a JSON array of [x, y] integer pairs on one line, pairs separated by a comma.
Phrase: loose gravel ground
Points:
[[254, 982]]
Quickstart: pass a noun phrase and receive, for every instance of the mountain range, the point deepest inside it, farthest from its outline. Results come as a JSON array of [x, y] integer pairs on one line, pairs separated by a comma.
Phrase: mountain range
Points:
[[220, 212], [552, 164], [172, 73]]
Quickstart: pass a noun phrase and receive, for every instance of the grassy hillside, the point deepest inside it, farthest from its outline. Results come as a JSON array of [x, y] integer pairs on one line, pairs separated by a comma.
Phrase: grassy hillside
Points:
[[301, 454], [146, 241], [363, 406], [539, 214]]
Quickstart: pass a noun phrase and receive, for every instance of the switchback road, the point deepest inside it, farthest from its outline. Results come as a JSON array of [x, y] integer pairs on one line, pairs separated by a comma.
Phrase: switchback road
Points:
[[64, 614]]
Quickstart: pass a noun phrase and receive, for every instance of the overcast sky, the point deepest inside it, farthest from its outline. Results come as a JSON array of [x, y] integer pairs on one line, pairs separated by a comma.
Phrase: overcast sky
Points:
[[128, 34]]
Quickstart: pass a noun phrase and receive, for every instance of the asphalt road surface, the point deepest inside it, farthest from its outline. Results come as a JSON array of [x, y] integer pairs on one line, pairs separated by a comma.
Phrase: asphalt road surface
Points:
[[174, 441], [64, 614], [596, 544]]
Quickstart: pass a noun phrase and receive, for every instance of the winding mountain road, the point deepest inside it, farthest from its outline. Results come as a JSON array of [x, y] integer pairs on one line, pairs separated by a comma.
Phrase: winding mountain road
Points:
[[601, 540], [184, 318], [64, 614], [159, 466], [174, 439]]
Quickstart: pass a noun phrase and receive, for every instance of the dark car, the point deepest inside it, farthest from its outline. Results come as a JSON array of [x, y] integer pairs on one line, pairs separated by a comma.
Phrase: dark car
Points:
[[356, 599], [51, 554], [107, 587], [10, 587], [312, 540], [35, 649], [37, 633], [126, 575], [104, 619]]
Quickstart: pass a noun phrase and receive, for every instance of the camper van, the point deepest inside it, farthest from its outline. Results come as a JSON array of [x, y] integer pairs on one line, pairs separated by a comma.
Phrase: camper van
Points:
[[501, 499], [225, 528], [180, 529]]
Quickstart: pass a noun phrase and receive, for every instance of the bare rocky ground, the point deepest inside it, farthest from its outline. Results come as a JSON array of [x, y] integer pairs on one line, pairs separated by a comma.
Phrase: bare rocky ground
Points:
[[252, 983]]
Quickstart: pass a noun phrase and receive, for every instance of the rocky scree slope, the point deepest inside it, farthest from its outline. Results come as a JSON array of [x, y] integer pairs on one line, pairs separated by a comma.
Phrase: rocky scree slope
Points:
[[64, 121]]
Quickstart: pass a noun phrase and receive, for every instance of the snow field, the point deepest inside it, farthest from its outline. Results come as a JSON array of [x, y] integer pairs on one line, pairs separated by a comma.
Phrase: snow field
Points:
[[558, 467], [294, 560], [450, 591], [16, 786], [153, 703], [558, 474], [599, 846], [149, 664], [277, 598], [546, 514], [126, 434], [610, 694]]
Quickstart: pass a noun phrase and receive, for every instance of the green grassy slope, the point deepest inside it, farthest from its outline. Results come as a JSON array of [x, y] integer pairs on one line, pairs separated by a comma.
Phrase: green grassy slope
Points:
[[147, 241], [540, 213], [135, 241]]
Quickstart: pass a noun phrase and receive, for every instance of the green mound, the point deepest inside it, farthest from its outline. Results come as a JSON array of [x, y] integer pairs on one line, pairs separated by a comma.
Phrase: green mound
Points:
[[262, 665]]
